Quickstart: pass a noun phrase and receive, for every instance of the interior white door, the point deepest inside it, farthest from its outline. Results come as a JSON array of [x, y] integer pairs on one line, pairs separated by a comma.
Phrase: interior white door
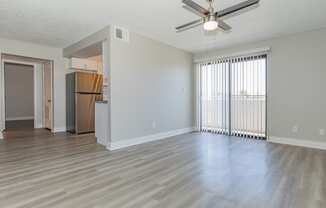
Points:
[[48, 95], [38, 96]]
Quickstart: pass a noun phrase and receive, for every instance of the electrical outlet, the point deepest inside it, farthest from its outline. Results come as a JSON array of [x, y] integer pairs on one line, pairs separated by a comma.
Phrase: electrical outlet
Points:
[[322, 132], [295, 129], [153, 124]]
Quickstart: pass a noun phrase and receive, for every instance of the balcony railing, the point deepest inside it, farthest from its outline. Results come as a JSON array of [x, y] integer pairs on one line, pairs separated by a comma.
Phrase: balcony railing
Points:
[[247, 115]]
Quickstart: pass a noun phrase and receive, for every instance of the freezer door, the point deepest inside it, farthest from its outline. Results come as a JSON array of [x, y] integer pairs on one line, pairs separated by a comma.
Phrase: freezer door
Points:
[[70, 103], [88, 83], [85, 112]]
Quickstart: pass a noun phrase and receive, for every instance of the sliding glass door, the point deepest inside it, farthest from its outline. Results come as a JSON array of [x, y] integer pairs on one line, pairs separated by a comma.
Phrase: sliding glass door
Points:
[[215, 99], [233, 96]]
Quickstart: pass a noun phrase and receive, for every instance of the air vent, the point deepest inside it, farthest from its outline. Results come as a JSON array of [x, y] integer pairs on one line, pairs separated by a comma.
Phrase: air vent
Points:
[[121, 34]]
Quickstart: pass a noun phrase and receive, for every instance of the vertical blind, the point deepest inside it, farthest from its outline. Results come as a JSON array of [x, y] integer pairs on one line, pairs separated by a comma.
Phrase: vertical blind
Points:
[[215, 99], [233, 96]]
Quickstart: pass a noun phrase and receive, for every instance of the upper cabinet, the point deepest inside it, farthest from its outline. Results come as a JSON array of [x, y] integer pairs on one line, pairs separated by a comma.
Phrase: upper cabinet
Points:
[[84, 64]]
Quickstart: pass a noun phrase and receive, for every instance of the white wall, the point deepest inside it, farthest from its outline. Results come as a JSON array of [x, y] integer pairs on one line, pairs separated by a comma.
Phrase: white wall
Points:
[[296, 83], [19, 90], [44, 52], [150, 82]]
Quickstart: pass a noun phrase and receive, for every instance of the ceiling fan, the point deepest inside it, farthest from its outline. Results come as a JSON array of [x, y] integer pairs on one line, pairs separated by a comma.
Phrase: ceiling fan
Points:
[[210, 19]]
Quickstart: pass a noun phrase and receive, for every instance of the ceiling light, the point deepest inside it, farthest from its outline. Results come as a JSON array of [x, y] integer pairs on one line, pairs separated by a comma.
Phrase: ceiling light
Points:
[[211, 23]]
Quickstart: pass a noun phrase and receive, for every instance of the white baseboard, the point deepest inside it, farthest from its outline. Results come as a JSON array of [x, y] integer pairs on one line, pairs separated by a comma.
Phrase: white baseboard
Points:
[[298, 142], [154, 137], [59, 129], [20, 118]]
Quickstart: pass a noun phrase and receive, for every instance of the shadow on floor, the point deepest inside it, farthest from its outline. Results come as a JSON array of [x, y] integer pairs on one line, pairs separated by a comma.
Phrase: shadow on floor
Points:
[[23, 128], [21, 124]]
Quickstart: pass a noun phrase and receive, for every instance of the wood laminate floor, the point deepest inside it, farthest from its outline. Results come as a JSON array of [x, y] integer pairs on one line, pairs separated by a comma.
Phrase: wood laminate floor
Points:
[[192, 170]]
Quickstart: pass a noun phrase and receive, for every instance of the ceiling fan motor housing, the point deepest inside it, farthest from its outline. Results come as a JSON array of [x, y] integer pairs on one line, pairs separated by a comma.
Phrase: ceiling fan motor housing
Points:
[[210, 8], [211, 17]]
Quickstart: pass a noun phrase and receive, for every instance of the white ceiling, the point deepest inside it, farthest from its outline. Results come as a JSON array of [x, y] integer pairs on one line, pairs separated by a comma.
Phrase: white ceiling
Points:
[[60, 23]]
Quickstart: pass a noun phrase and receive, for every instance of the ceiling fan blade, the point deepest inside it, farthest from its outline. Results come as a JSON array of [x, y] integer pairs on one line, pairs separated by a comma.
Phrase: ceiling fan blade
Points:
[[224, 26], [236, 8], [196, 7], [189, 25], [193, 11]]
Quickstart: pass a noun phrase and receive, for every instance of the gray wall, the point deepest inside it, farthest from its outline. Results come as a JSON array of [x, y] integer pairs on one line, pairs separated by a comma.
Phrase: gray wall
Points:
[[151, 82], [19, 90], [296, 82]]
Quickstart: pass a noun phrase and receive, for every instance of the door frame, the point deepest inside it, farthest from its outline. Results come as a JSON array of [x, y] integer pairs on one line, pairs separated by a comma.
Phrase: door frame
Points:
[[51, 95], [2, 93]]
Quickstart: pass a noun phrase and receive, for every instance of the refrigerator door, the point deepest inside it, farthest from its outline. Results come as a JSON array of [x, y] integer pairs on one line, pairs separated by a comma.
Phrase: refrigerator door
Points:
[[70, 102], [88, 83], [85, 112]]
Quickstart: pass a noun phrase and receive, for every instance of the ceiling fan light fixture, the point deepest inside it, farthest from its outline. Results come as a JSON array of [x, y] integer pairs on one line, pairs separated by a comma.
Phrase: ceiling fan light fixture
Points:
[[210, 25]]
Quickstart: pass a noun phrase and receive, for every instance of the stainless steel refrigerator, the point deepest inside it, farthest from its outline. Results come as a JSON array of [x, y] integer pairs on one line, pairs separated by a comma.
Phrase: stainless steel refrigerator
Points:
[[82, 91]]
